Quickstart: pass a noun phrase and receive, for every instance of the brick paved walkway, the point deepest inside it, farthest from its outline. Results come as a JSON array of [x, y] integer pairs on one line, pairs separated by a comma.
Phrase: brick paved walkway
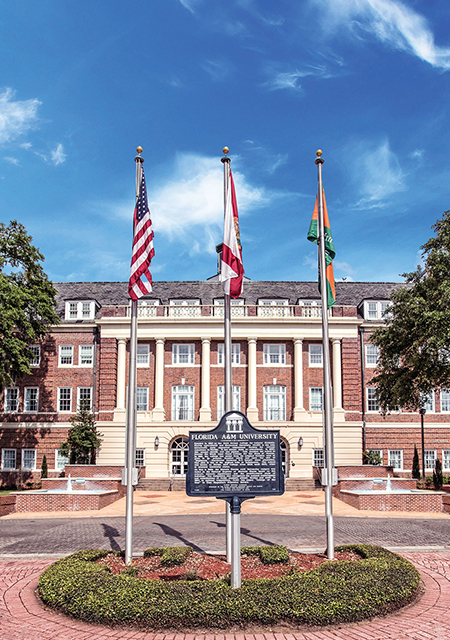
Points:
[[22, 617]]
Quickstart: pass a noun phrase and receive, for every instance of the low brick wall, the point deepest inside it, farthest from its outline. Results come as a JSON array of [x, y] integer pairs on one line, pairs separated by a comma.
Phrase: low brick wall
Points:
[[96, 484], [429, 501], [93, 471], [365, 471], [29, 502], [357, 484], [7, 504]]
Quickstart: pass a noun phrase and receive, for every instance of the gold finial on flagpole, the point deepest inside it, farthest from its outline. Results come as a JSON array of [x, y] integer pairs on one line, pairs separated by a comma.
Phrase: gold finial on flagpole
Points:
[[139, 150], [319, 159], [226, 150], [139, 158]]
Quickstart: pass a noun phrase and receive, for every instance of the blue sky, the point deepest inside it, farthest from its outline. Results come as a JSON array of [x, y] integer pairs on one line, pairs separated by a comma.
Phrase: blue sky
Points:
[[85, 82]]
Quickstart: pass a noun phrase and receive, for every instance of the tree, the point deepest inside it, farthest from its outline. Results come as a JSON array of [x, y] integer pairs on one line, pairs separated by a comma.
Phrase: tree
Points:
[[83, 439], [27, 301], [44, 468], [438, 480], [371, 457], [416, 464], [415, 341]]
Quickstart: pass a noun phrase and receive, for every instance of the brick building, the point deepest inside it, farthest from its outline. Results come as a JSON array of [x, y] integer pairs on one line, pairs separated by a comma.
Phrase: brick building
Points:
[[277, 377]]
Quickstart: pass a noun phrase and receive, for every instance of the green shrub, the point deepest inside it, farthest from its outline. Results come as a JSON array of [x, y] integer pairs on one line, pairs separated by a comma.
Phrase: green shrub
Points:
[[371, 457], [416, 465], [276, 554], [44, 468], [170, 556], [335, 592], [437, 475]]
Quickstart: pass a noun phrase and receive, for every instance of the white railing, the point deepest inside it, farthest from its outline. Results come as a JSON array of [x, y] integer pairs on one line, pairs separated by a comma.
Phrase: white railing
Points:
[[237, 311]]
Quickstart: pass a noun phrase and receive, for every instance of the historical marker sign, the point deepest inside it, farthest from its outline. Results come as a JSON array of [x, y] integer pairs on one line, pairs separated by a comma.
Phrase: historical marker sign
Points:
[[234, 459]]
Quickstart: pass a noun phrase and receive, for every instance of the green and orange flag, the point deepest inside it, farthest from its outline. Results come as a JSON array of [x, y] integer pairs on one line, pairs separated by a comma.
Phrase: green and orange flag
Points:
[[313, 236]]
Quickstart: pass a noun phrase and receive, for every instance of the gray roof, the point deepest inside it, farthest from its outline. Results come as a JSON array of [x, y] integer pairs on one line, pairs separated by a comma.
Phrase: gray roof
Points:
[[116, 293]]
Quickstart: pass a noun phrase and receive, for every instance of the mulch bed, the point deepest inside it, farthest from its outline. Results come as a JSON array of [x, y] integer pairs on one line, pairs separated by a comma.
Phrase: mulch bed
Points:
[[210, 567]]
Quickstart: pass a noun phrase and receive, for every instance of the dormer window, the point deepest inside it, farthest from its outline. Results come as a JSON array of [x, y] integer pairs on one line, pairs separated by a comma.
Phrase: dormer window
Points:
[[184, 308], [269, 308], [80, 310], [310, 308], [374, 309]]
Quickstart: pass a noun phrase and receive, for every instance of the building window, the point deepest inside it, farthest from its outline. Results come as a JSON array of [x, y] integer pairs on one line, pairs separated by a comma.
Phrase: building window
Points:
[[235, 353], [80, 310], [64, 399], [60, 460], [237, 309], [221, 400], [380, 453], [183, 402], [372, 354], [430, 459], [374, 310], [143, 355], [274, 354], [84, 398], [183, 354], [274, 308], [86, 355], [428, 402], [396, 459], [29, 459], [8, 459], [446, 459], [284, 458], [140, 458], [65, 355], [445, 400], [274, 402], [179, 457], [142, 399], [36, 359], [315, 355], [318, 458], [372, 402], [31, 399], [11, 400], [310, 308], [315, 399], [184, 308]]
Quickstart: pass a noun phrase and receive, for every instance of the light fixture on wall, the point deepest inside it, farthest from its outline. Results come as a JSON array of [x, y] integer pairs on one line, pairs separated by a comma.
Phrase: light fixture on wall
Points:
[[300, 442], [156, 442]]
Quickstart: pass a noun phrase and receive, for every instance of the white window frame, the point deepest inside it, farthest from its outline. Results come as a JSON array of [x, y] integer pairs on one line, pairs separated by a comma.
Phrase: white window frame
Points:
[[81, 390], [12, 397], [310, 308], [372, 354], [235, 353], [60, 461], [371, 400], [380, 451], [179, 457], [274, 308], [430, 455], [274, 403], [60, 399], [314, 405], [445, 459], [86, 359], [143, 355], [445, 400], [65, 356], [142, 402], [315, 355], [183, 395], [374, 309], [274, 354], [395, 456], [190, 355], [27, 400], [318, 457], [139, 460], [4, 459], [221, 400], [237, 308], [79, 310], [36, 361], [184, 308], [32, 463]]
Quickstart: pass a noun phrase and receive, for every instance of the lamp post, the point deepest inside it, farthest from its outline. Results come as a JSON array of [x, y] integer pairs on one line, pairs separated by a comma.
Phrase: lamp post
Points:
[[422, 412]]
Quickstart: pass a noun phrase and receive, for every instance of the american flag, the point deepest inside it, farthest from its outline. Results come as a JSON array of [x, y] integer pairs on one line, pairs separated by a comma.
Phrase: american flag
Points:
[[143, 251]]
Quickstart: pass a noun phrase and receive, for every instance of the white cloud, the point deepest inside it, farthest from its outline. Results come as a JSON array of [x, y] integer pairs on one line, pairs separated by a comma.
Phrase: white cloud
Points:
[[392, 22], [291, 79], [378, 173], [14, 161], [345, 267], [57, 155], [218, 70], [190, 5], [16, 116]]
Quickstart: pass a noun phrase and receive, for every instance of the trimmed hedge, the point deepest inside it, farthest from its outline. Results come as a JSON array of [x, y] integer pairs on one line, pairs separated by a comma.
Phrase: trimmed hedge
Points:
[[170, 556], [337, 591], [275, 554]]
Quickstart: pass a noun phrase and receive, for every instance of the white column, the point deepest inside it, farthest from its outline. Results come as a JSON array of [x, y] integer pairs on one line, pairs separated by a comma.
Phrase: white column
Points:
[[252, 409], [205, 409], [337, 375], [299, 411], [158, 411], [119, 411]]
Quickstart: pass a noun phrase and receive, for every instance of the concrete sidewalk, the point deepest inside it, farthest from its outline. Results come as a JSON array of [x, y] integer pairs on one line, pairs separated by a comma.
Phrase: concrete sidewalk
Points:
[[145, 503]]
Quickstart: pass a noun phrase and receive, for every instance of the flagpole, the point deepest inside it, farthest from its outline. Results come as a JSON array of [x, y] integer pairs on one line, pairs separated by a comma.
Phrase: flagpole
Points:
[[327, 400], [228, 395], [130, 471]]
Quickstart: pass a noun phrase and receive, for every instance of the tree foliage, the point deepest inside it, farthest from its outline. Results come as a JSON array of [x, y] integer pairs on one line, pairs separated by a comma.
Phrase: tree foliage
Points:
[[83, 439], [27, 301], [416, 465], [415, 341], [438, 480]]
